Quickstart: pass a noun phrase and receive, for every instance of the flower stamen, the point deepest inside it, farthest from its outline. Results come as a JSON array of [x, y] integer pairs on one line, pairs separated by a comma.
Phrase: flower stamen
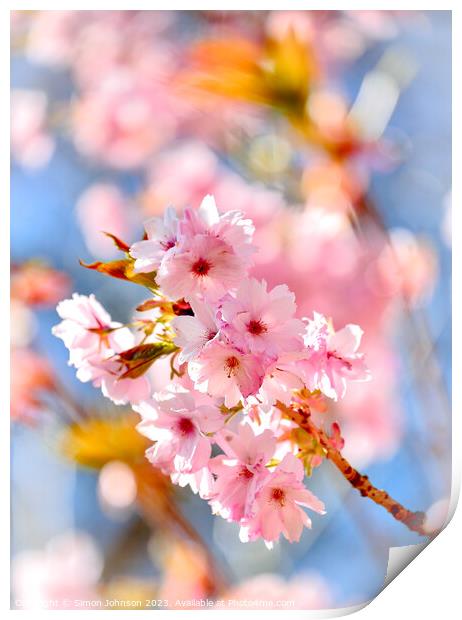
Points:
[[201, 267], [256, 327]]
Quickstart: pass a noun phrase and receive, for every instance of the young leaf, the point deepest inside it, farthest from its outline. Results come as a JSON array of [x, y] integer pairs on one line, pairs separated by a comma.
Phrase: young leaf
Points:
[[138, 359], [123, 270], [121, 245]]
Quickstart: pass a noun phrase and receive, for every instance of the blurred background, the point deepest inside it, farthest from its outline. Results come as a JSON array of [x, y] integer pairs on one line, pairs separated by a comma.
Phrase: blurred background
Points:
[[332, 130]]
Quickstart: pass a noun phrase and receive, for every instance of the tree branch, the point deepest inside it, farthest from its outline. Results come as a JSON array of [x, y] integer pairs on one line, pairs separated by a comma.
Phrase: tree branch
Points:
[[415, 521]]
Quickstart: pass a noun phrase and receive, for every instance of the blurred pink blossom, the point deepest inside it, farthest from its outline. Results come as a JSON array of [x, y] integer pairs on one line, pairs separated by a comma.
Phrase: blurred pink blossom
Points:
[[124, 121], [103, 208], [370, 414], [408, 266], [52, 35], [304, 591], [182, 175], [31, 376], [31, 144], [36, 284], [65, 573]]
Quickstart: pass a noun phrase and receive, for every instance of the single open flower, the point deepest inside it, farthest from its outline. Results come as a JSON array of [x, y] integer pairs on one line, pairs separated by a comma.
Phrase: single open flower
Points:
[[205, 267], [223, 371], [179, 428], [263, 321], [240, 471], [87, 329], [277, 508]]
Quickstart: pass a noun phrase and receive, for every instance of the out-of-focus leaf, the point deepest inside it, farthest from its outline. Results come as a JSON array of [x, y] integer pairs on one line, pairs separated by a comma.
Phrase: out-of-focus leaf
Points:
[[149, 304], [276, 72], [96, 441], [228, 68], [291, 68]]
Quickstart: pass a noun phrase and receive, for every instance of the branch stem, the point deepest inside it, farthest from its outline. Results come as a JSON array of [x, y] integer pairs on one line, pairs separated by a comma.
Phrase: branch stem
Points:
[[415, 521]]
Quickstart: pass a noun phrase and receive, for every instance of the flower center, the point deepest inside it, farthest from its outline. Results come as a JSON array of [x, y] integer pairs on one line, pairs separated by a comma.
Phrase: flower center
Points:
[[185, 426], [278, 495], [245, 473], [167, 244], [256, 328], [231, 365], [201, 267]]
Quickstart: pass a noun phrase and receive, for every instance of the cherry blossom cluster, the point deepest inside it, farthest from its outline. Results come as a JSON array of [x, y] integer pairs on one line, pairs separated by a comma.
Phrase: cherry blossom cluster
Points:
[[240, 355]]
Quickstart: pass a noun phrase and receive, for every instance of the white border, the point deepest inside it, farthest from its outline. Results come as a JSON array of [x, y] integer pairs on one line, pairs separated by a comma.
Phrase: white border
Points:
[[431, 587]]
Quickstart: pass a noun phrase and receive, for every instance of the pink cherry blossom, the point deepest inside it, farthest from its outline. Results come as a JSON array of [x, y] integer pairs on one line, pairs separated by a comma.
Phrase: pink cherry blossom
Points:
[[277, 507], [262, 418], [206, 267], [166, 234], [230, 227], [242, 347], [171, 236], [107, 372], [200, 482], [281, 379], [262, 321], [200, 221], [223, 371], [201, 254], [333, 358], [162, 233], [120, 389], [195, 332], [94, 340], [178, 426], [240, 471], [87, 329]]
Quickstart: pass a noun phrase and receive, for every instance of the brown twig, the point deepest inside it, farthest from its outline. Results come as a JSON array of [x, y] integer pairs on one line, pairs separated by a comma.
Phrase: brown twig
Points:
[[415, 521]]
